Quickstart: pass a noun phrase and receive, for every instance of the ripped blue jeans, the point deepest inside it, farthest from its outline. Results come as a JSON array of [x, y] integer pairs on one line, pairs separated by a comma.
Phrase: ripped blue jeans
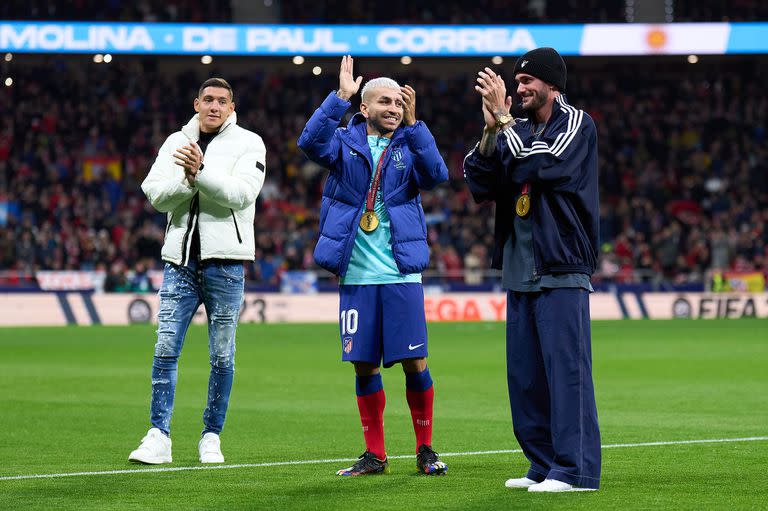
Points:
[[219, 285]]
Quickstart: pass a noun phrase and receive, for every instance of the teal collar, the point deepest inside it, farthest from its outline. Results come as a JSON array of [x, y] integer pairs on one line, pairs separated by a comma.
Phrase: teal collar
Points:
[[377, 141]]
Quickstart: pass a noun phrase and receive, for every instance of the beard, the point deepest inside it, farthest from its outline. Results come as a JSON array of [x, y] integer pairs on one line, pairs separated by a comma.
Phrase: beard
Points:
[[538, 100]]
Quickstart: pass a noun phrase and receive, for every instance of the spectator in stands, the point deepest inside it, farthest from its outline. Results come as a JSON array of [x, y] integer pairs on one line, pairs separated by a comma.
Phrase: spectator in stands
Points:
[[116, 281], [139, 281], [8, 257], [475, 263]]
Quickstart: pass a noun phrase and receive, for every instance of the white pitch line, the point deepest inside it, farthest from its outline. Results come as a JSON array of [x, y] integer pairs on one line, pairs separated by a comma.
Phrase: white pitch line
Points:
[[344, 460], [684, 442]]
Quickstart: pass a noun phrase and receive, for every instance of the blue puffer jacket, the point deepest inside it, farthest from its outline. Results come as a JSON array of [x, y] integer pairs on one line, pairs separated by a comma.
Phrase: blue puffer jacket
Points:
[[412, 162]]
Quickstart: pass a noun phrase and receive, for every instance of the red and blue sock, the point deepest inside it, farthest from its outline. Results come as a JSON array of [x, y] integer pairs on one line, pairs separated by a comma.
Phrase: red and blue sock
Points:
[[371, 401], [420, 394]]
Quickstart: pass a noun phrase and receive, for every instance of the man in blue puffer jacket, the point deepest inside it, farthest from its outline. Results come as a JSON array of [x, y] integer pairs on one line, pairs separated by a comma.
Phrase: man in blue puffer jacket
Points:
[[373, 235]]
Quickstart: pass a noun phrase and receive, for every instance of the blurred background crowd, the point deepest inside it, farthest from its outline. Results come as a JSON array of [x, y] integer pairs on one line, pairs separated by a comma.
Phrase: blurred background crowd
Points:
[[391, 12], [683, 151]]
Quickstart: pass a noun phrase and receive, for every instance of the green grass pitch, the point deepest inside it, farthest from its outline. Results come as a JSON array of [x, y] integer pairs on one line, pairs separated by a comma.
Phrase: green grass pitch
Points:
[[76, 399]]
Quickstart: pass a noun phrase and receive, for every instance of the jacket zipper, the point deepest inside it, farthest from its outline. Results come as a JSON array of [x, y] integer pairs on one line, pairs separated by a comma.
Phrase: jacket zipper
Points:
[[359, 215], [193, 211], [535, 275], [383, 202], [237, 230], [190, 224]]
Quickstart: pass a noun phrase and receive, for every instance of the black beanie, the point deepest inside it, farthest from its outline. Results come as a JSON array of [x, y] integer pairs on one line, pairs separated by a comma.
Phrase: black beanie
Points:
[[545, 64]]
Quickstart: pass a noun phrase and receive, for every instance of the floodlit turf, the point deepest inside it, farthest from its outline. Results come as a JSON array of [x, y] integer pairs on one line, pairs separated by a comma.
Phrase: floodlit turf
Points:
[[77, 400]]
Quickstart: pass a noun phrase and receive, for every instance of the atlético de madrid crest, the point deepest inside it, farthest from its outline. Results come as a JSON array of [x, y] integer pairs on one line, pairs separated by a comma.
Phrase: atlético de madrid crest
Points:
[[347, 344], [397, 157]]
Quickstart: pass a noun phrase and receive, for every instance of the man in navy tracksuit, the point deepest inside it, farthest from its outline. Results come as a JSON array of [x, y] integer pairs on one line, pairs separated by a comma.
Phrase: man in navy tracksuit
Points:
[[373, 235], [542, 173]]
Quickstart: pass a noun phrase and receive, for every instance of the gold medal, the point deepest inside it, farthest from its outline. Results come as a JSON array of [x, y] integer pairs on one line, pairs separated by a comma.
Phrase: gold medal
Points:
[[369, 222], [523, 205]]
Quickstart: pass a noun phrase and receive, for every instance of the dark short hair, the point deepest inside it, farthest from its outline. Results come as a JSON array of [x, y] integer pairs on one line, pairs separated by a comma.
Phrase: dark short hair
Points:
[[217, 82]]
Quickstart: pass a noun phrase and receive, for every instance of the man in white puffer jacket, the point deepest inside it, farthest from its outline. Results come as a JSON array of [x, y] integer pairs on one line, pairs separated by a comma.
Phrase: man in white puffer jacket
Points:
[[206, 177]]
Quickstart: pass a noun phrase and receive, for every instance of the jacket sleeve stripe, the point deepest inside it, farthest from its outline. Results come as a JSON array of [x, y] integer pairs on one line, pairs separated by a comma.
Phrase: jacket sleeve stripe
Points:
[[512, 148], [464, 163], [513, 141], [574, 122], [517, 139], [569, 136], [562, 140]]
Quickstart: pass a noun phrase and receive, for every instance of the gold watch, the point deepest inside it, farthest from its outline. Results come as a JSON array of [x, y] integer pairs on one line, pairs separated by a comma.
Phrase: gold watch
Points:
[[503, 119]]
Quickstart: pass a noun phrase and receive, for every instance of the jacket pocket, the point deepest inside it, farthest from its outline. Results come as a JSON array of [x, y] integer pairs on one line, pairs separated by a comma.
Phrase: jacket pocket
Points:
[[237, 230]]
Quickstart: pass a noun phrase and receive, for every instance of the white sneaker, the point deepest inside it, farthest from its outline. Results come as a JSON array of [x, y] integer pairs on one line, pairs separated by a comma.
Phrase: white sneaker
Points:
[[210, 449], [553, 486], [155, 449], [520, 482]]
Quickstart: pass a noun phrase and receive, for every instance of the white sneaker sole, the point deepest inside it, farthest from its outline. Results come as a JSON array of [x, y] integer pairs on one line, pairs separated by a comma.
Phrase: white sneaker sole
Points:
[[149, 460], [562, 491], [211, 457], [516, 485]]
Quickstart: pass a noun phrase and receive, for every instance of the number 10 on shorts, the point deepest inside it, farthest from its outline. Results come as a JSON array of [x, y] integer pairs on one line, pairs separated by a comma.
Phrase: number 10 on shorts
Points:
[[348, 321]]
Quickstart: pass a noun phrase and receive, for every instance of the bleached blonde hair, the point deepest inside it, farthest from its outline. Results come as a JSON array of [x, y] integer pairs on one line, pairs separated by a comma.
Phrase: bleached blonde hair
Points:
[[387, 83]]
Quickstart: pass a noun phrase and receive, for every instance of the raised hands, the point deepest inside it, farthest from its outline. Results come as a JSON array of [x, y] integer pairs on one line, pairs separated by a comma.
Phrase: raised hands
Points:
[[189, 158], [348, 85], [408, 97], [494, 92]]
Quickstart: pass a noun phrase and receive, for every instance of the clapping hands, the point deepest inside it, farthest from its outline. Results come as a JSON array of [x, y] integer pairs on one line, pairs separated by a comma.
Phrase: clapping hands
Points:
[[189, 158], [494, 93]]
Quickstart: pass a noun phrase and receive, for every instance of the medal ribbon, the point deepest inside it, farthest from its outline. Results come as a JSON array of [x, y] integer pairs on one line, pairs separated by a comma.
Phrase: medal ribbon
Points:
[[524, 191], [371, 199]]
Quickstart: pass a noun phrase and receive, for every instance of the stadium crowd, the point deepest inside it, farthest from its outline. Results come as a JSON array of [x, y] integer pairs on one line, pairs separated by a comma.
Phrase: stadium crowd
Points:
[[392, 12], [720, 10], [495, 12], [146, 11], [491, 12], [683, 169]]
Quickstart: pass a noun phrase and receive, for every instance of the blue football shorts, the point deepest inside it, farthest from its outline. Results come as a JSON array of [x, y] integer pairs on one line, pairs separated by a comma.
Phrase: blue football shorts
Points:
[[382, 321]]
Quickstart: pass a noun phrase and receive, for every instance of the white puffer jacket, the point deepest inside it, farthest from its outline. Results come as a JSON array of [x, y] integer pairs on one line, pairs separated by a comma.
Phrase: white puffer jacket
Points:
[[222, 198]]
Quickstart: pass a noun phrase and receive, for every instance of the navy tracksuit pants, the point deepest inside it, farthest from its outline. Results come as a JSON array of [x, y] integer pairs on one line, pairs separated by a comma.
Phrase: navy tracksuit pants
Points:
[[549, 373]]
